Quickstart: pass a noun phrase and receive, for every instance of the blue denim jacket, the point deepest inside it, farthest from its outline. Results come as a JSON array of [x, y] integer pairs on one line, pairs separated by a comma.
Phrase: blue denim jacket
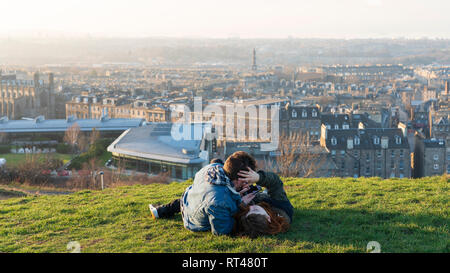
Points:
[[210, 202]]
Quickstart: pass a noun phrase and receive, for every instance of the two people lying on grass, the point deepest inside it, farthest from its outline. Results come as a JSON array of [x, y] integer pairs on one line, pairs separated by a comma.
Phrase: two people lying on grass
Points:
[[222, 200]]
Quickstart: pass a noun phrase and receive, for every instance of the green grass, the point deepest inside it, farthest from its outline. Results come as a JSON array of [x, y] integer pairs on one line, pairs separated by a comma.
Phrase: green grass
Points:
[[16, 159], [331, 215], [6, 193]]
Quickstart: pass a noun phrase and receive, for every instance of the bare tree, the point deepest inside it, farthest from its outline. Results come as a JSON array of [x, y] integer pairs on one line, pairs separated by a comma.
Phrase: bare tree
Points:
[[95, 135], [297, 157], [3, 137], [71, 136]]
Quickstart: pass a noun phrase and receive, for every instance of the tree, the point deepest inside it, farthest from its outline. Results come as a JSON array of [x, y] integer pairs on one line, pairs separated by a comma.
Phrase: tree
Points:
[[297, 157], [95, 135], [71, 136], [83, 142]]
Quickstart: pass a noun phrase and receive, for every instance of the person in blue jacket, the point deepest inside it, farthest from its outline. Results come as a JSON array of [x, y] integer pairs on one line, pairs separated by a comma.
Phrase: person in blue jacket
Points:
[[218, 193]]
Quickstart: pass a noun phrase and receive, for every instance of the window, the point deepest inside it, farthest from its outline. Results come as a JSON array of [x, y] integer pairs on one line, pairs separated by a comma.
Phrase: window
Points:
[[376, 140], [304, 113], [436, 157], [345, 126], [402, 153], [357, 140], [294, 113], [392, 153], [314, 113], [401, 165], [336, 126], [333, 141], [398, 140], [378, 153], [436, 166]]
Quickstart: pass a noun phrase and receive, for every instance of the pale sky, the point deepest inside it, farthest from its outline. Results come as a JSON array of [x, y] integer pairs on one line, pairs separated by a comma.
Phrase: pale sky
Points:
[[229, 18]]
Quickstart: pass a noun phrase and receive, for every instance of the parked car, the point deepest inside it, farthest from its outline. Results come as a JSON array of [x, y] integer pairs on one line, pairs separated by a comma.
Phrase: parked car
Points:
[[46, 172], [63, 173]]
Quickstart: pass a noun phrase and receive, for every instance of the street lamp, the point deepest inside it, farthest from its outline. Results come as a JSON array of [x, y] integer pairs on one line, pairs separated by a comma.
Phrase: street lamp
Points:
[[101, 178]]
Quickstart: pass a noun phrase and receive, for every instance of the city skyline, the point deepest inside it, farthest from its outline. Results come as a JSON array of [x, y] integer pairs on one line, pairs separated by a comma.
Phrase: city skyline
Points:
[[238, 19]]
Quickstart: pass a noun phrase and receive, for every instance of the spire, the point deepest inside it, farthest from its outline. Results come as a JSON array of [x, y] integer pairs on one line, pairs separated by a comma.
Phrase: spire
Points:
[[254, 67]]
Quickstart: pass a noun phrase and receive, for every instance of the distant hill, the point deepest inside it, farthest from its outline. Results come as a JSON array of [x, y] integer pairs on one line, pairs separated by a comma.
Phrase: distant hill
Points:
[[331, 215], [190, 51]]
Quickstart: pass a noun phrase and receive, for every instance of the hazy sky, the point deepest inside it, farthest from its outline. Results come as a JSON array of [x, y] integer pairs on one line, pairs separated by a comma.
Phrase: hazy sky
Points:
[[229, 18]]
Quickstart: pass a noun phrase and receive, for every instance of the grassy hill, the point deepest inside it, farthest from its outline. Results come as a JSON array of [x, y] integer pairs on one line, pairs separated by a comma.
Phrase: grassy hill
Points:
[[331, 215]]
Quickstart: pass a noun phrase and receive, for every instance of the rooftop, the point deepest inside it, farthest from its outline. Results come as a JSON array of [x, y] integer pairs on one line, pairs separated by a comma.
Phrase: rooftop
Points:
[[155, 141], [40, 124]]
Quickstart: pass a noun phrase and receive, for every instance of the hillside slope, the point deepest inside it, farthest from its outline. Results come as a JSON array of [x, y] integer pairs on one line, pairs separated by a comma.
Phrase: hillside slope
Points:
[[331, 215]]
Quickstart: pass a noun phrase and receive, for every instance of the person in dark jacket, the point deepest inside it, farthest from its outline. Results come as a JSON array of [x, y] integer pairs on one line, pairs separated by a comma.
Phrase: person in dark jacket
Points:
[[275, 194], [212, 200], [218, 194], [269, 213]]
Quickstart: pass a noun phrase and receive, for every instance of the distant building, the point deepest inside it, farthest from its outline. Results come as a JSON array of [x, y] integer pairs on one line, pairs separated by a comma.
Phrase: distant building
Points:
[[368, 152], [441, 128], [304, 120], [87, 107], [23, 98], [348, 121], [430, 157]]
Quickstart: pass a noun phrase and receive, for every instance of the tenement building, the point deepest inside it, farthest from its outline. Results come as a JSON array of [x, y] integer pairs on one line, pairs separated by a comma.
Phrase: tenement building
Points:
[[368, 152], [93, 107], [431, 157], [296, 119]]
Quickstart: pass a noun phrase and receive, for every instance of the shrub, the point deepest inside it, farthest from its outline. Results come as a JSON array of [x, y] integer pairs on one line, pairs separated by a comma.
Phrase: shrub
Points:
[[63, 148], [95, 150], [5, 149]]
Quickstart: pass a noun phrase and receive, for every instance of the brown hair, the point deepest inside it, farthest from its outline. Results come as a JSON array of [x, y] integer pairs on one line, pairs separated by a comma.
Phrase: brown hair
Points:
[[256, 225], [237, 162]]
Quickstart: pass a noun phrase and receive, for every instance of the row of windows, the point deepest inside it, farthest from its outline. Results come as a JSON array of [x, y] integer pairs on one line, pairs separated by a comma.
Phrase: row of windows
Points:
[[336, 126], [378, 153], [357, 140], [304, 113]]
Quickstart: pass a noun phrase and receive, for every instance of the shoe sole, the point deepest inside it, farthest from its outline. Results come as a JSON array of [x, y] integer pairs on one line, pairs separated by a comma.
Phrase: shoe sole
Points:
[[153, 211]]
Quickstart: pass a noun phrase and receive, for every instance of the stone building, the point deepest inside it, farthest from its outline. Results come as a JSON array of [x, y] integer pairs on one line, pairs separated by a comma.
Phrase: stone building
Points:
[[431, 157], [305, 120], [86, 107], [368, 152], [27, 98]]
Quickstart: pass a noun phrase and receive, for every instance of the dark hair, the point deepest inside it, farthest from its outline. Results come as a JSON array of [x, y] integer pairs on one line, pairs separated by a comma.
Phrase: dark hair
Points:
[[256, 225], [216, 160], [237, 162]]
